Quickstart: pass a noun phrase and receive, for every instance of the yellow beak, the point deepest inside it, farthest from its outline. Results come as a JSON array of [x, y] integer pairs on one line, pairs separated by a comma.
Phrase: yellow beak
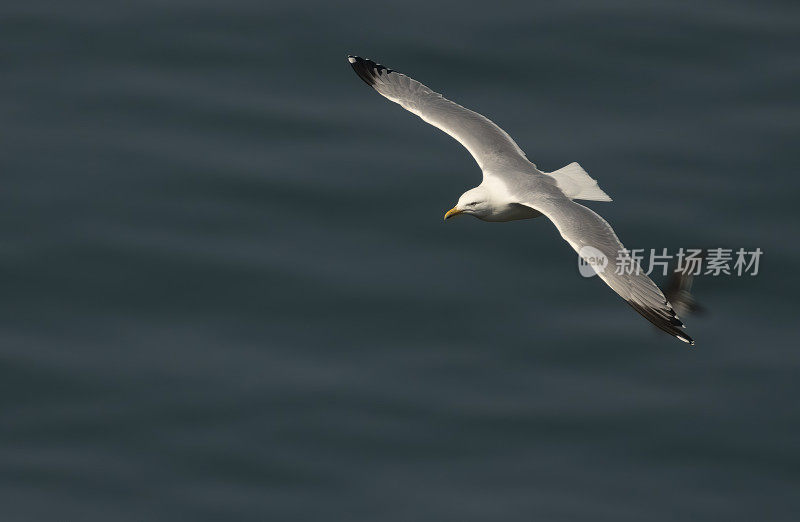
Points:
[[452, 212]]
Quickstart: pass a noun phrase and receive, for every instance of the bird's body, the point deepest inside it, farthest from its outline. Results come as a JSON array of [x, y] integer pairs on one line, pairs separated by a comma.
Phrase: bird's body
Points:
[[514, 188]]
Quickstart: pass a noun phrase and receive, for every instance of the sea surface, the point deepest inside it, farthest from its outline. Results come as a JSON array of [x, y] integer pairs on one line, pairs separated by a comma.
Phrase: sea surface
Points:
[[228, 292]]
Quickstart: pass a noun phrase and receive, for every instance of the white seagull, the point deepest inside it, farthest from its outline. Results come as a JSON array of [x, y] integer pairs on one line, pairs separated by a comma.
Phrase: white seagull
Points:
[[513, 188]]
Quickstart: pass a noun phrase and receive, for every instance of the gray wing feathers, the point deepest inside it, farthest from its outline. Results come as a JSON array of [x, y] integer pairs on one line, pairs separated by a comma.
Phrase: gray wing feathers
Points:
[[489, 144], [581, 227]]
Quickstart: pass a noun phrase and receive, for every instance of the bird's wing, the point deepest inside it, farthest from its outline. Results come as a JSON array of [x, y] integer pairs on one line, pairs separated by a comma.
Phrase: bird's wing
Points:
[[678, 281], [678, 290], [581, 227], [489, 144]]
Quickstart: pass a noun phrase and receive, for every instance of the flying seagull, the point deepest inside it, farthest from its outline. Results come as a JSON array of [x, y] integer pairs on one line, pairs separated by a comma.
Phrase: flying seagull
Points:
[[513, 188]]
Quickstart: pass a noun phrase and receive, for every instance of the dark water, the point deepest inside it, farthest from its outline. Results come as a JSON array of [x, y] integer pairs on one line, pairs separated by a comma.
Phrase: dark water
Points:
[[228, 293]]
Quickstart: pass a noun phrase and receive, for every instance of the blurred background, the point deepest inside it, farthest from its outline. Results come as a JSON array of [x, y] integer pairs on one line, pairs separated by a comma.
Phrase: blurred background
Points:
[[228, 292]]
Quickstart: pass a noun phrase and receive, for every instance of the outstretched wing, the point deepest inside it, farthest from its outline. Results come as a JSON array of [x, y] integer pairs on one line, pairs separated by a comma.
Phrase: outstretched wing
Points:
[[490, 145], [583, 228]]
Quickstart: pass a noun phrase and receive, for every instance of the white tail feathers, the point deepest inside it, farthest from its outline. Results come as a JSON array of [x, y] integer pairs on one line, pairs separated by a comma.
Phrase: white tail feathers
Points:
[[575, 183]]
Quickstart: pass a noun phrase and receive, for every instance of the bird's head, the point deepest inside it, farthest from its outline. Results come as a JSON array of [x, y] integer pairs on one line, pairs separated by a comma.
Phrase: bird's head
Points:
[[474, 202]]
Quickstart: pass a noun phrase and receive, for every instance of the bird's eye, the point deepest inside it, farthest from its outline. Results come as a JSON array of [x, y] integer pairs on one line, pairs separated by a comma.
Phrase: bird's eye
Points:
[[472, 204]]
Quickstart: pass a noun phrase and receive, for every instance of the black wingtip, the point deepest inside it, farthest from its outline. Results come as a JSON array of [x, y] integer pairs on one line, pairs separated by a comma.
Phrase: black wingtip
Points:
[[366, 69], [685, 338], [665, 319]]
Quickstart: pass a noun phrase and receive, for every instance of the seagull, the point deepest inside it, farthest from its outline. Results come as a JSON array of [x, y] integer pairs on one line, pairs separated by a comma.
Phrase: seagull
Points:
[[514, 188]]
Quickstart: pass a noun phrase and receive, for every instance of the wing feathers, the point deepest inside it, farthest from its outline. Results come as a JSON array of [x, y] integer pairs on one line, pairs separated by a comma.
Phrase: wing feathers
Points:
[[488, 143], [581, 227], [367, 70]]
